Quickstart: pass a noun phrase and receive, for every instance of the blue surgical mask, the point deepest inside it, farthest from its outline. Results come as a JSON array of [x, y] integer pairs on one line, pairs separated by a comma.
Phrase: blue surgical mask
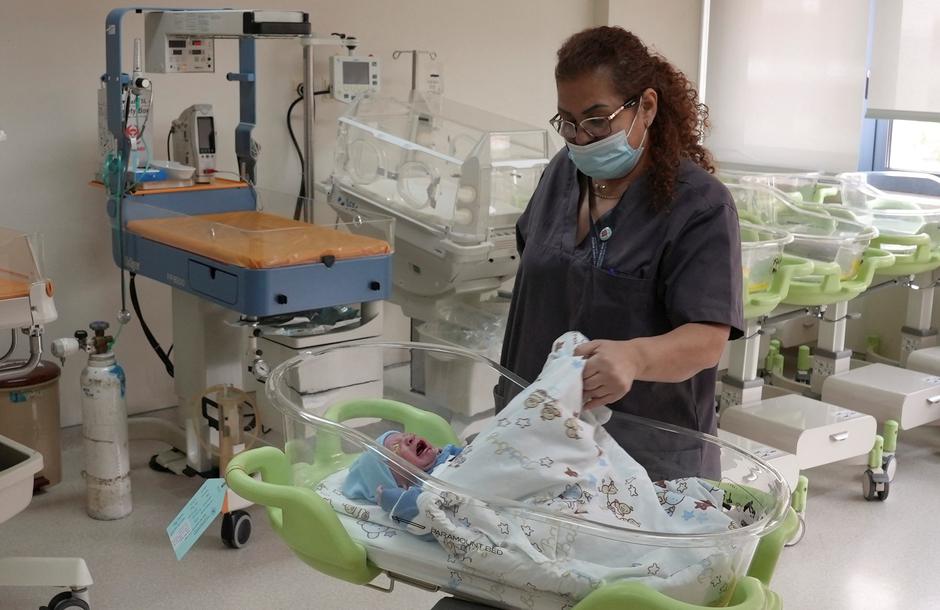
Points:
[[606, 159]]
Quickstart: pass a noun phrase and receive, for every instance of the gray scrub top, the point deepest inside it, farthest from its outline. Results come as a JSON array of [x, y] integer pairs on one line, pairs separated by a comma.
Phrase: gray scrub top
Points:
[[661, 269]]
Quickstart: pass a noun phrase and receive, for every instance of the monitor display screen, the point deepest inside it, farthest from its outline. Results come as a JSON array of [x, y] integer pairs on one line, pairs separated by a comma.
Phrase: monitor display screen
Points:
[[356, 72], [206, 134]]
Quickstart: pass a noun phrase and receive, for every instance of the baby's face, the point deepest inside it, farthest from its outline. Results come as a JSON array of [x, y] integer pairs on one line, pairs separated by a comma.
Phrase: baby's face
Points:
[[412, 448]]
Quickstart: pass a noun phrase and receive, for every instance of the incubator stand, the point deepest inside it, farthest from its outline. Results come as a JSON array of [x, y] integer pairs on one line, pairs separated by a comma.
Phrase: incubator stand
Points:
[[241, 270], [830, 261], [454, 177], [356, 541]]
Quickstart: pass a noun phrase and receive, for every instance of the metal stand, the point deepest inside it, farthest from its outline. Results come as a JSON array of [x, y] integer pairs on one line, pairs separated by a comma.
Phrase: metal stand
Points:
[[742, 385], [309, 118], [917, 332], [414, 63], [831, 357]]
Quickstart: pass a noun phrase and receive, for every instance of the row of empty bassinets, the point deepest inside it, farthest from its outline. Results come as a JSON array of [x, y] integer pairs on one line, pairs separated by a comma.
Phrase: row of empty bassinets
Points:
[[834, 220]]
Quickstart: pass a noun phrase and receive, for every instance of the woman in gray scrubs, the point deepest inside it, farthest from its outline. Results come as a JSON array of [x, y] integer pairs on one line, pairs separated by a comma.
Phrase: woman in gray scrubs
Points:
[[629, 239]]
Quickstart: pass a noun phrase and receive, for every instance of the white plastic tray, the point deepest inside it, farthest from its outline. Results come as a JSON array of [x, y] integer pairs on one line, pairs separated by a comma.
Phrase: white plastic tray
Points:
[[18, 466]]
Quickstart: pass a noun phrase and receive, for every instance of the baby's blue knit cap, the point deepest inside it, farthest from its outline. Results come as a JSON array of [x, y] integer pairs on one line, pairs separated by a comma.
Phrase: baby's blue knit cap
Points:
[[367, 473]]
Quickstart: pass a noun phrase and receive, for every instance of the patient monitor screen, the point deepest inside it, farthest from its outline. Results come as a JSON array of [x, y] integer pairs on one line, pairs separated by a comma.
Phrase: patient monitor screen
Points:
[[206, 135], [356, 72]]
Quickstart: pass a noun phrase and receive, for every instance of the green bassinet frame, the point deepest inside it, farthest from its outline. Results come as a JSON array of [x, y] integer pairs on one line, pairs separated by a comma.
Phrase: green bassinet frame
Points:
[[311, 528]]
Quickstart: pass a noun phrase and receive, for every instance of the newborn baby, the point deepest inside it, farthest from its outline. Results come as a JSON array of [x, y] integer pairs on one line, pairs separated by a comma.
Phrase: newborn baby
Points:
[[371, 479]]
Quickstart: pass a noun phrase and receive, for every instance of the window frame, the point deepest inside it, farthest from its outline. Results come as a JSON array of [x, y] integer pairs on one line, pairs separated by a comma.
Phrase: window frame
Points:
[[875, 146]]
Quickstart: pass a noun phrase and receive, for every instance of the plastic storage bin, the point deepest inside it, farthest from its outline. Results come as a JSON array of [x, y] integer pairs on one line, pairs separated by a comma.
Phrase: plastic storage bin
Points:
[[18, 466], [29, 414]]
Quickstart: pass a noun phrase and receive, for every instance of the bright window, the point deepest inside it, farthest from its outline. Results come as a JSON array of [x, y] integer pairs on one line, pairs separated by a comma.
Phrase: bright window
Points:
[[915, 146]]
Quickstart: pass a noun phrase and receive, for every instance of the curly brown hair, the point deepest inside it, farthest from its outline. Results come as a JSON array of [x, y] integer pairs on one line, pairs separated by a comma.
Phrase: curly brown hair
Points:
[[681, 120]]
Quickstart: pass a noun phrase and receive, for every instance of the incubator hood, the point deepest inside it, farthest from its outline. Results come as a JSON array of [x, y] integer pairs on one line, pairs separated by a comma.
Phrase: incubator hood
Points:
[[454, 177]]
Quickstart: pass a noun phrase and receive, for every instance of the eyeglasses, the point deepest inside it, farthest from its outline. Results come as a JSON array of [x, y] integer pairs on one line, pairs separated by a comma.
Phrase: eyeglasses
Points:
[[596, 127]]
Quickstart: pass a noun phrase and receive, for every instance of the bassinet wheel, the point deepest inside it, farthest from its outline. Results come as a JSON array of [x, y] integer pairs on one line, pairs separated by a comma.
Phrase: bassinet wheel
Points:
[[65, 601], [236, 529], [883, 493], [875, 485], [868, 485], [890, 466], [800, 531]]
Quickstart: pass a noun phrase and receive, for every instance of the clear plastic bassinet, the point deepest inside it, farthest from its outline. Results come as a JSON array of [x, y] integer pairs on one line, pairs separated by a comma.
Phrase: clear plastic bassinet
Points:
[[825, 234], [335, 402], [761, 252], [904, 207]]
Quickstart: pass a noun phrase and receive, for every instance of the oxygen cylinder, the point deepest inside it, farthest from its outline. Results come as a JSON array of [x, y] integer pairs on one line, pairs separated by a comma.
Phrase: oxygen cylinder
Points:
[[104, 432]]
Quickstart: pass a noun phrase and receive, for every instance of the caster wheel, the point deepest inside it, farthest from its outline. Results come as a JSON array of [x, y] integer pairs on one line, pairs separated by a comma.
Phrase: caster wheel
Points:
[[236, 529], [156, 466], [800, 531], [65, 601], [890, 466], [883, 494], [868, 486]]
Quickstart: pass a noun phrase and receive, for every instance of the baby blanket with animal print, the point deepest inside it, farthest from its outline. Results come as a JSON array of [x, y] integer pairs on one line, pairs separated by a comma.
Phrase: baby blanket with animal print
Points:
[[543, 451]]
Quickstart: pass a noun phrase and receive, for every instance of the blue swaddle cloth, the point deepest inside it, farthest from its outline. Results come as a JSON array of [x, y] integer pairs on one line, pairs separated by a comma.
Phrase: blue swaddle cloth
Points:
[[370, 470]]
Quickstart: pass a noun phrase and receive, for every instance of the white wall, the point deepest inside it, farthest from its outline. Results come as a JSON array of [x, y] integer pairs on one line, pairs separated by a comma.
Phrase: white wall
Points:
[[670, 27], [496, 55]]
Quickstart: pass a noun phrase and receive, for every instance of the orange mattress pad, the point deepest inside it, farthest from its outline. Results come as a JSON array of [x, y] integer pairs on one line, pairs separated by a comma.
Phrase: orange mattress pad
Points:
[[256, 240], [13, 289]]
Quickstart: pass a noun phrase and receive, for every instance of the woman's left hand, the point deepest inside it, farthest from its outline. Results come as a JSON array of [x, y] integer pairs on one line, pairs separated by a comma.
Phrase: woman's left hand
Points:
[[609, 372]]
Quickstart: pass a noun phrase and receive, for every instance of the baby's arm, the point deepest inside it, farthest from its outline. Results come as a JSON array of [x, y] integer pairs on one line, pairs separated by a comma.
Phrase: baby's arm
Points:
[[403, 502]]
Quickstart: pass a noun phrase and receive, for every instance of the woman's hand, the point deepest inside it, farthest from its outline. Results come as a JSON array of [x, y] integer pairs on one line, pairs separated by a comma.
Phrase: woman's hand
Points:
[[609, 372], [613, 366]]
